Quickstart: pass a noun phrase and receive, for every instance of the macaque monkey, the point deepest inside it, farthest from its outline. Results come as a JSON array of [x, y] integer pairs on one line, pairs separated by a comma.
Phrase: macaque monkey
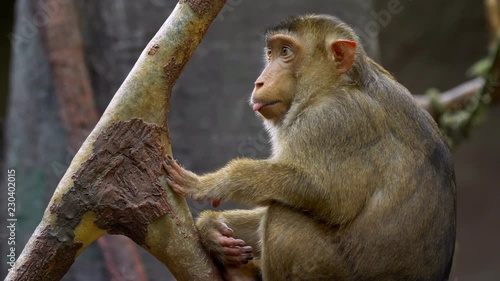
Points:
[[360, 184]]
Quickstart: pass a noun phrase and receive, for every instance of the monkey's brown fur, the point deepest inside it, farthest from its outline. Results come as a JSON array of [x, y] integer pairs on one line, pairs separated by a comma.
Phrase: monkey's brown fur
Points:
[[360, 185]]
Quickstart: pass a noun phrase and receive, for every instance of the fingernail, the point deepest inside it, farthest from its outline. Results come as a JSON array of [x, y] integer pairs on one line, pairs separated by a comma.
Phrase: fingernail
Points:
[[230, 229], [169, 178], [169, 157], [241, 244]]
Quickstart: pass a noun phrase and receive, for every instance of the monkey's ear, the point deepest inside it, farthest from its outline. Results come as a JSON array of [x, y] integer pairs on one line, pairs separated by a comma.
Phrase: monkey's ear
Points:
[[344, 52]]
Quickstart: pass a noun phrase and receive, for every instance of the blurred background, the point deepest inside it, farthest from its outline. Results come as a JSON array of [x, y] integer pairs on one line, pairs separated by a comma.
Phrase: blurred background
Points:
[[424, 43]]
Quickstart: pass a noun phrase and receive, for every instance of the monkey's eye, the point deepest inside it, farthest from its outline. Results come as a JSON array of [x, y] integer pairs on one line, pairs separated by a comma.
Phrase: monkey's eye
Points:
[[286, 51], [269, 53]]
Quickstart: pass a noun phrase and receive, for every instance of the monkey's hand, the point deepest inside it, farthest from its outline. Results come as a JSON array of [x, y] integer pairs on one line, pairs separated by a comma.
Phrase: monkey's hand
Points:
[[181, 181], [218, 240], [186, 183]]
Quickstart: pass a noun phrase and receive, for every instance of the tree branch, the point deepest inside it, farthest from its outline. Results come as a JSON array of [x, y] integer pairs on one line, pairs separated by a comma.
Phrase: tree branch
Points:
[[115, 183], [461, 96], [457, 98], [459, 109]]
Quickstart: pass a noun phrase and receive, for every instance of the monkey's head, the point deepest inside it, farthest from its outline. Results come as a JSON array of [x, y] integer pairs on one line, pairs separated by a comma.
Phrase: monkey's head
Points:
[[304, 55]]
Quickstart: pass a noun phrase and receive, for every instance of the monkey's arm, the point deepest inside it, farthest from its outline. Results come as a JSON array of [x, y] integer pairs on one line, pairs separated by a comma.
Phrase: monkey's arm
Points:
[[255, 183]]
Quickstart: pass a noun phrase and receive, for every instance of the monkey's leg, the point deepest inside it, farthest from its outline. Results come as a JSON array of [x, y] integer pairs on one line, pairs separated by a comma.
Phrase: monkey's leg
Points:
[[217, 230]]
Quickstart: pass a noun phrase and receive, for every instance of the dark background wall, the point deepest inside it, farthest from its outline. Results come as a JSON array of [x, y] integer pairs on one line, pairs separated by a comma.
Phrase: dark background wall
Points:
[[5, 28], [426, 44]]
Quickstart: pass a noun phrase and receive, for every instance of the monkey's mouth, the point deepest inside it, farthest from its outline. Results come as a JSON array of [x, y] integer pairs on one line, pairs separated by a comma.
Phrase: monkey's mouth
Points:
[[257, 105]]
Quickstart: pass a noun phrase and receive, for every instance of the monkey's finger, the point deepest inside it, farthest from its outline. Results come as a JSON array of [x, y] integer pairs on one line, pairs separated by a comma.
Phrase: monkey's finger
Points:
[[174, 175], [168, 167], [245, 251], [230, 242], [175, 164], [165, 166], [237, 259], [235, 251], [226, 230], [237, 255], [175, 187]]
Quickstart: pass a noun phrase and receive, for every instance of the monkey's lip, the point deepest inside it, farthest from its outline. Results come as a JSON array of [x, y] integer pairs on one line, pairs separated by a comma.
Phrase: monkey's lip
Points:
[[257, 105]]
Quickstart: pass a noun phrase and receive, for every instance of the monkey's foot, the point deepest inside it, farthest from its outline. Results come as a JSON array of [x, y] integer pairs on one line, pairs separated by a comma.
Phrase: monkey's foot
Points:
[[234, 250]]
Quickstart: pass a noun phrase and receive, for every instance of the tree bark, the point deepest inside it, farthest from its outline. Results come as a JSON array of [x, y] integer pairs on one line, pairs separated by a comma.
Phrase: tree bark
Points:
[[115, 183]]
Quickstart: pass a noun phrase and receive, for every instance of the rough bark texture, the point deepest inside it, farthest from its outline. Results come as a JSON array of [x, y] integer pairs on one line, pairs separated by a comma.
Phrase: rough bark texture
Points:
[[57, 255], [119, 182]]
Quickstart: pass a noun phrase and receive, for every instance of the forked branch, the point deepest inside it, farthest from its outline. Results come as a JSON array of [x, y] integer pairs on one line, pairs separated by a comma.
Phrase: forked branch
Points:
[[115, 183]]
